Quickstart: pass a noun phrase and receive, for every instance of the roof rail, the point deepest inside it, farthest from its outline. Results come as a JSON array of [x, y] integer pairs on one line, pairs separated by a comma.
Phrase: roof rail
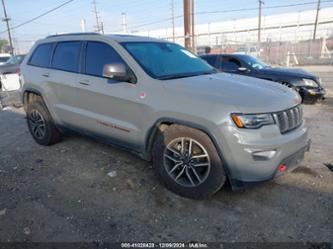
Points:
[[68, 34]]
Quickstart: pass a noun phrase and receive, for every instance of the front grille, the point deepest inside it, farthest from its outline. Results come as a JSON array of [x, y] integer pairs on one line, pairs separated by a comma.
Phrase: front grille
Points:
[[289, 119]]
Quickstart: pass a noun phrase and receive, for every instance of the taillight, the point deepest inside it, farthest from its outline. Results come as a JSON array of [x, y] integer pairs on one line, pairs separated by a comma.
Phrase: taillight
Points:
[[18, 71]]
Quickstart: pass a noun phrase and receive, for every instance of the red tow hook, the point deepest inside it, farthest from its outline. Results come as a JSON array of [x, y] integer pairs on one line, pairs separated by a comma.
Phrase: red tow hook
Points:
[[282, 168]]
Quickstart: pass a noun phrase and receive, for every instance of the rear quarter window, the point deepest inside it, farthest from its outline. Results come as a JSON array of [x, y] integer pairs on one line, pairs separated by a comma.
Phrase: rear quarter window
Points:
[[42, 55]]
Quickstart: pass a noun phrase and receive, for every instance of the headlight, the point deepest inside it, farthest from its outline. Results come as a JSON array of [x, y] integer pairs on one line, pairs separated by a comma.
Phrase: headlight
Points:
[[311, 83], [252, 121]]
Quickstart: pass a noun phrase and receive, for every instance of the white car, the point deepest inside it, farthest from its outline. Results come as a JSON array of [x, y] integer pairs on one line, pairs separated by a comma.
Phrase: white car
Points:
[[4, 58]]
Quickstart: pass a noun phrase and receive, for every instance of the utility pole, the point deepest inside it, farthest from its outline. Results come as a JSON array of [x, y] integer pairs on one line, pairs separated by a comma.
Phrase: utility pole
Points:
[[98, 27], [102, 28], [83, 25], [192, 26], [187, 24], [173, 19], [7, 19], [124, 22], [316, 21], [261, 2]]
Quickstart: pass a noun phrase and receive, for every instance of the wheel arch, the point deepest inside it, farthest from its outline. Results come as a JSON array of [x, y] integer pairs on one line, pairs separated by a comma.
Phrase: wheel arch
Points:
[[30, 95], [161, 124]]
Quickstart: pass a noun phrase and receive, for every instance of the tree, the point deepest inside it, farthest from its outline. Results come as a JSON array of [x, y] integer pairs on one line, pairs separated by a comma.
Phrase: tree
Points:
[[3, 44]]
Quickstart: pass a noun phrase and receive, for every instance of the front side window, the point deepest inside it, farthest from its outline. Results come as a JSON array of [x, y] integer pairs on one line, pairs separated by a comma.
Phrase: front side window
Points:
[[212, 60], [42, 55], [67, 56], [166, 60], [99, 54], [230, 64]]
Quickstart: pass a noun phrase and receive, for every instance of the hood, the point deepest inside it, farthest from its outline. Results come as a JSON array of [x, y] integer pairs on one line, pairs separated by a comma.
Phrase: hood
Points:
[[247, 94], [291, 72]]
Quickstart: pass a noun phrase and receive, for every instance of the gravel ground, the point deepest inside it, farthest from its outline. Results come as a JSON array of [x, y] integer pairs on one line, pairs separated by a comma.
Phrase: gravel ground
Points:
[[64, 193], [10, 99]]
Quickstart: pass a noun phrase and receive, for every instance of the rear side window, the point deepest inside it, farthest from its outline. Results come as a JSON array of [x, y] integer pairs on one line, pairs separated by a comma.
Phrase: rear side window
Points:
[[42, 55], [67, 56], [99, 54]]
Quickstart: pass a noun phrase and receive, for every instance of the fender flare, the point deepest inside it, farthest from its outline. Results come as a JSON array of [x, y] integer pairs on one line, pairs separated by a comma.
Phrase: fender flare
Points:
[[30, 90]]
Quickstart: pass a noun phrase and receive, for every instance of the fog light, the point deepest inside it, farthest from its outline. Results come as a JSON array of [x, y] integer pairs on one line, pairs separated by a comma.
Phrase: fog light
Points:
[[263, 155], [282, 167]]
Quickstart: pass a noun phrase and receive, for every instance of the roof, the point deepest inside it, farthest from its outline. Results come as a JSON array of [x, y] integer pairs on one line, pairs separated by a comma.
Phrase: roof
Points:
[[132, 38], [116, 37], [233, 55]]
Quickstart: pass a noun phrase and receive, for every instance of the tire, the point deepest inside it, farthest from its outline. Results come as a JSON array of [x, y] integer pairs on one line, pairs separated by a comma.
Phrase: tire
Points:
[[41, 125], [212, 177]]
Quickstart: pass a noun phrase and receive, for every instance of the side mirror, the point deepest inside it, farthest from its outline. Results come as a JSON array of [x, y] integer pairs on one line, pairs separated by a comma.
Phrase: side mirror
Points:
[[243, 69], [116, 71]]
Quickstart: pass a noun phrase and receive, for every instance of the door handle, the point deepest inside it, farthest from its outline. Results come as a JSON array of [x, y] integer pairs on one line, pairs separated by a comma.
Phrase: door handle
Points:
[[47, 75], [84, 82]]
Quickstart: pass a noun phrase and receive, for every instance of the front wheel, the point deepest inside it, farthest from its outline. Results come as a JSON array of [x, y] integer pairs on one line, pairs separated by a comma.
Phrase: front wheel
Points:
[[186, 161]]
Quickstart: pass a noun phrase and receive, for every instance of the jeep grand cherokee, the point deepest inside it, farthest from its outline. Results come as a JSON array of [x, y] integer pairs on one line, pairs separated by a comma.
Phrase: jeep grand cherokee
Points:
[[160, 101]]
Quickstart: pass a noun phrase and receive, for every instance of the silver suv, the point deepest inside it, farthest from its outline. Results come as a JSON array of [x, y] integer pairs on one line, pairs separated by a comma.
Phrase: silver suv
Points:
[[160, 101]]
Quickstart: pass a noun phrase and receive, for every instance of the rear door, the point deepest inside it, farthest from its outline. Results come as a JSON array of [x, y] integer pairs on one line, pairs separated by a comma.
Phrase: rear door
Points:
[[107, 107], [36, 72], [61, 80]]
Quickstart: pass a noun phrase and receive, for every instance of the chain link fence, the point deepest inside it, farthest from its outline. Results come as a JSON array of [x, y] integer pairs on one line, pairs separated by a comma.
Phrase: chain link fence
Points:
[[286, 53], [283, 42]]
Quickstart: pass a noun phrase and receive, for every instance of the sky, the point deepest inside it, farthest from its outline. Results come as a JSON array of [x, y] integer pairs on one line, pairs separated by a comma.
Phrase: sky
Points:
[[140, 14]]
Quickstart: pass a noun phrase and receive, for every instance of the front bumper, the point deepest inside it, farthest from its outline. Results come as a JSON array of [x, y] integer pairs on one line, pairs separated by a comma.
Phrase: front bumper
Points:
[[240, 145], [312, 95]]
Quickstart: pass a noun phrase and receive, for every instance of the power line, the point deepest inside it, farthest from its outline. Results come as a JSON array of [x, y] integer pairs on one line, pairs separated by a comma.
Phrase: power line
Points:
[[39, 16], [229, 11], [267, 7]]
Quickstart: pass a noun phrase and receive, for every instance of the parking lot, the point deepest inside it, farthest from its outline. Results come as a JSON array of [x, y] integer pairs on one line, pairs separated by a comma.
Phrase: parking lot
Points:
[[64, 192]]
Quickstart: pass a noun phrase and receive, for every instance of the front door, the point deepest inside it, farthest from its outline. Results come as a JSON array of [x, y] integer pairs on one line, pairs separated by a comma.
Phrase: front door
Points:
[[107, 107]]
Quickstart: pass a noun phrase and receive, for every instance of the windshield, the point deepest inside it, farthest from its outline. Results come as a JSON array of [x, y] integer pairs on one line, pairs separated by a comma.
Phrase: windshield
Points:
[[254, 62], [15, 60], [167, 60]]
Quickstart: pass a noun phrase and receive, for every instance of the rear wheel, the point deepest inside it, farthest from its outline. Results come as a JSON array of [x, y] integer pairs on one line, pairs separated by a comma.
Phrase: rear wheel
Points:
[[41, 125], [187, 162]]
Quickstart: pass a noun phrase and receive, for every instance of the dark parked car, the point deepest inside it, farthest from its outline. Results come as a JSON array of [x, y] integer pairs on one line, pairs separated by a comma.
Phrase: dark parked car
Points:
[[306, 84], [12, 65]]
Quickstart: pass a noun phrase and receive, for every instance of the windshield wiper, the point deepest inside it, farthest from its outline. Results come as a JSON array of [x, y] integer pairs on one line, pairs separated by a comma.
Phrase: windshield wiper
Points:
[[178, 76]]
